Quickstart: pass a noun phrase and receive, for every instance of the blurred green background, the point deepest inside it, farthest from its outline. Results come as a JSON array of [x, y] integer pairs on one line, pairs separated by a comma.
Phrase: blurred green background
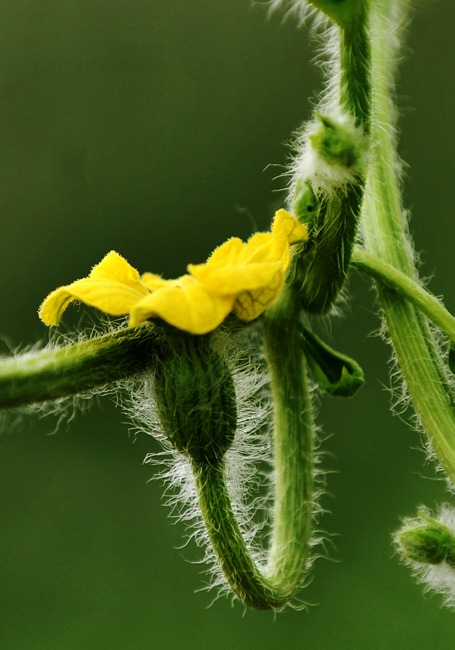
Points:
[[158, 128]]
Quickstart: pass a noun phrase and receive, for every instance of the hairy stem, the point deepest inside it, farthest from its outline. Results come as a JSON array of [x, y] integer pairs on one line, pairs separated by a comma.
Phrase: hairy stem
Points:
[[355, 56], [62, 371], [415, 292], [385, 235]]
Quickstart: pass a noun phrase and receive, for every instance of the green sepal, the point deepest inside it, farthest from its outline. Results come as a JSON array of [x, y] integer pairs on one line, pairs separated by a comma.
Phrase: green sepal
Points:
[[335, 373]]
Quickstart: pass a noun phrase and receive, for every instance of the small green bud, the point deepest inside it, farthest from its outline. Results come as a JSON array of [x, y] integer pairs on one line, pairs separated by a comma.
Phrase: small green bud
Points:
[[321, 267], [427, 541], [305, 206], [195, 398], [338, 143]]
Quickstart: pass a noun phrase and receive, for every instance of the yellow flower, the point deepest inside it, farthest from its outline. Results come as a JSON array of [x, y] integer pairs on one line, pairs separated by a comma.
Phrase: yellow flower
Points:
[[253, 273], [245, 277]]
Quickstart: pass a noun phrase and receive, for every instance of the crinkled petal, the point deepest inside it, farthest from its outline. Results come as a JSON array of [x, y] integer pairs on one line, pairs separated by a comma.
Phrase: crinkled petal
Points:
[[235, 279], [191, 308], [228, 253], [295, 231], [154, 282], [113, 286], [265, 247], [251, 304]]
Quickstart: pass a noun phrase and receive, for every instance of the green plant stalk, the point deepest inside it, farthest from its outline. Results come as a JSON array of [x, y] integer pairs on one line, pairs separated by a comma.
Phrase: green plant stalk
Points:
[[288, 557], [355, 58], [293, 440], [275, 584], [58, 372], [385, 236], [394, 279], [324, 263]]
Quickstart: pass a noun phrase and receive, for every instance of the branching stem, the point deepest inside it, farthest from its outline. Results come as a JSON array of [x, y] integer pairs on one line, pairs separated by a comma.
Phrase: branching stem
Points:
[[394, 279]]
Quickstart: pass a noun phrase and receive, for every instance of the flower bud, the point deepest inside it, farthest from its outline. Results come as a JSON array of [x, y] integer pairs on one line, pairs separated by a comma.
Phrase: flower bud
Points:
[[338, 142], [195, 399], [427, 541], [327, 194]]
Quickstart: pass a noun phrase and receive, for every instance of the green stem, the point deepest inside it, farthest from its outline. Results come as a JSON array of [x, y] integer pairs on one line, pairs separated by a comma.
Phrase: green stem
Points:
[[274, 585], [244, 577], [324, 262], [288, 556], [385, 236], [355, 59], [406, 286], [62, 371], [293, 439]]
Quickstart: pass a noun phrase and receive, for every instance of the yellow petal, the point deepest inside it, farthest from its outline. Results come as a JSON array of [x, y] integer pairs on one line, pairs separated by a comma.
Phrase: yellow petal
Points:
[[53, 306], [234, 279], [295, 231], [153, 282], [113, 286], [250, 304], [191, 308], [114, 268], [259, 248], [111, 297], [228, 253], [268, 248]]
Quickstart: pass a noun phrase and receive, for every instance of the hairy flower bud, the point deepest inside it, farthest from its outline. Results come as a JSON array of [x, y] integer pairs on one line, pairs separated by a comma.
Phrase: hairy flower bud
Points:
[[195, 398], [326, 195], [427, 541]]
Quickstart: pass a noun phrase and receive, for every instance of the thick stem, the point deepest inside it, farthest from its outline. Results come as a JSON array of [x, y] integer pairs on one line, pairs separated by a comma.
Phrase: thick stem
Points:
[[355, 59], [293, 439], [385, 236], [62, 371], [244, 577]]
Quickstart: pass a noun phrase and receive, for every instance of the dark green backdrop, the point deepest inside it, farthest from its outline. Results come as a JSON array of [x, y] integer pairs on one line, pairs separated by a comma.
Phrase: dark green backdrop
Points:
[[158, 128]]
